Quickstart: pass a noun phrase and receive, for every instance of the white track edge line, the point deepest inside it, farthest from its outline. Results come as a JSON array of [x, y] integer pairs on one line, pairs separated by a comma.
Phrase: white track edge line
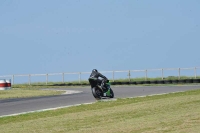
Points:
[[42, 110], [153, 94]]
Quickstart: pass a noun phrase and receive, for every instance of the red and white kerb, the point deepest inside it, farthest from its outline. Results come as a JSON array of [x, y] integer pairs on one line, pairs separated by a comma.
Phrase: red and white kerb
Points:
[[5, 84]]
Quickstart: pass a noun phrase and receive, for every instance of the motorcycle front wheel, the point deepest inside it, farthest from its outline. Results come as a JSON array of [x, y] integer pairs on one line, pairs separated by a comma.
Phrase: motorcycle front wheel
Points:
[[96, 93], [111, 93]]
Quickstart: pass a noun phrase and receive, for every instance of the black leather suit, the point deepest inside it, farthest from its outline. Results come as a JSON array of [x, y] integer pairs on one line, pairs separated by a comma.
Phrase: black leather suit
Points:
[[95, 77]]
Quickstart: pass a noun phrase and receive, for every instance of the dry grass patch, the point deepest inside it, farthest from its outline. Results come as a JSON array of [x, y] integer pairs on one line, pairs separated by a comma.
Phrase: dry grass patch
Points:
[[23, 93]]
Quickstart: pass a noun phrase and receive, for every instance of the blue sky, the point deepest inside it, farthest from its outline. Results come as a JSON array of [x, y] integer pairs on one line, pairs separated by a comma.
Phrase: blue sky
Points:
[[46, 36]]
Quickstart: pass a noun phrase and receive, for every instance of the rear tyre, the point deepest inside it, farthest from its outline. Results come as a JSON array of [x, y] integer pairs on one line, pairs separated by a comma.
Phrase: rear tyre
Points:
[[111, 93], [96, 93], [188, 81], [160, 82], [196, 80]]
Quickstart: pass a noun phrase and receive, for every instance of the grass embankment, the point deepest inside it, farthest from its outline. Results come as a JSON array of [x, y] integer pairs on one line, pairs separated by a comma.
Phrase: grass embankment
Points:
[[178, 112], [26, 92]]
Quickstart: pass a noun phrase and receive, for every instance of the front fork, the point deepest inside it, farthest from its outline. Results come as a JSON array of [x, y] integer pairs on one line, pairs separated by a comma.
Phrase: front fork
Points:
[[107, 93]]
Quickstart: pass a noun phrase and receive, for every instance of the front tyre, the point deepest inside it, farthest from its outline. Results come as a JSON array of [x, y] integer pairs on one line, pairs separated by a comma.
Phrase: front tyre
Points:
[[111, 93], [96, 93]]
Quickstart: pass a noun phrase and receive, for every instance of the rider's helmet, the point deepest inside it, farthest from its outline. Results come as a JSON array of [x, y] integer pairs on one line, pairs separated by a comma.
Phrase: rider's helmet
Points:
[[94, 70]]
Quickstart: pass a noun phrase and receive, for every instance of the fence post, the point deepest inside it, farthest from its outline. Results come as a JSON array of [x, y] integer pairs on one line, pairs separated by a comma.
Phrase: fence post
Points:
[[145, 74], [129, 76], [46, 79], [179, 73], [162, 73], [29, 78], [113, 76], [63, 77], [80, 77], [195, 72], [13, 78]]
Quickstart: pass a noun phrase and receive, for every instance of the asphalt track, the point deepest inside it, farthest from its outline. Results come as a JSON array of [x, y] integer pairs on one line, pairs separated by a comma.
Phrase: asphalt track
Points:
[[22, 105]]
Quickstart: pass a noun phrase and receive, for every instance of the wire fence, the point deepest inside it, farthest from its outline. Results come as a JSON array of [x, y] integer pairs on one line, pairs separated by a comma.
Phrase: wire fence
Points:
[[112, 75]]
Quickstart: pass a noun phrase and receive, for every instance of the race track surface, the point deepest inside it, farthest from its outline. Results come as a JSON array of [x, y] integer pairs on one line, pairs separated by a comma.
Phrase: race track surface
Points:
[[14, 106]]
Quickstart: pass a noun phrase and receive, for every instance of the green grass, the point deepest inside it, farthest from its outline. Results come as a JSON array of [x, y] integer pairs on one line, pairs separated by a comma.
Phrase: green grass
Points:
[[176, 113], [51, 84], [26, 92]]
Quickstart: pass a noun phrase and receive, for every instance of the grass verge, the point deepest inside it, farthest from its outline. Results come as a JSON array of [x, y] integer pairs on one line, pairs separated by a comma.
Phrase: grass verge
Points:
[[24, 93], [175, 112]]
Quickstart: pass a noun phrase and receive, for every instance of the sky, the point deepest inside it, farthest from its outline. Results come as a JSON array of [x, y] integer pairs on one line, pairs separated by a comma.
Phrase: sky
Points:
[[48, 36]]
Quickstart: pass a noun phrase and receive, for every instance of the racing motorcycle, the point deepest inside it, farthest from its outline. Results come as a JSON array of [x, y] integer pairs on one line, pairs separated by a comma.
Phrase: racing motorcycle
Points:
[[98, 91]]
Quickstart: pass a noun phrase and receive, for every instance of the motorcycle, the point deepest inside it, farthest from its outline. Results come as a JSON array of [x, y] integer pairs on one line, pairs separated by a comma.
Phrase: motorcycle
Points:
[[100, 93]]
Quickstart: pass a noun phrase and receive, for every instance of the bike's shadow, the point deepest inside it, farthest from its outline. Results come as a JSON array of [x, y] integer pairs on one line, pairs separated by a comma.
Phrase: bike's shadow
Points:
[[104, 99]]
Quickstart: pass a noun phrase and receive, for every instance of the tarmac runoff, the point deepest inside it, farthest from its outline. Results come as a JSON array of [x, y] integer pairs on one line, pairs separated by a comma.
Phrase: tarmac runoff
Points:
[[72, 92]]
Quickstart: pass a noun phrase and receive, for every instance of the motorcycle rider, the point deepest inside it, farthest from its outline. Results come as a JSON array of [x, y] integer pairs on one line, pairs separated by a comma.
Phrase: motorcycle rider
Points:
[[95, 77]]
